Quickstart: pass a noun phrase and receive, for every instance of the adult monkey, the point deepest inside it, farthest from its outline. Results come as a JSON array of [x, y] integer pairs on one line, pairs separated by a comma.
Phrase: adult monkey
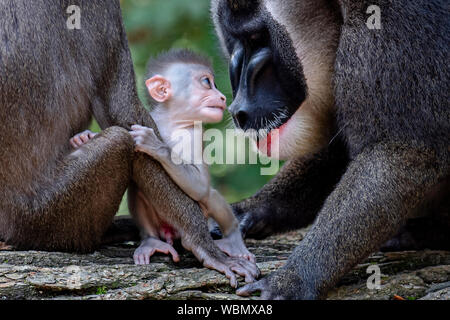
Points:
[[52, 80], [363, 114]]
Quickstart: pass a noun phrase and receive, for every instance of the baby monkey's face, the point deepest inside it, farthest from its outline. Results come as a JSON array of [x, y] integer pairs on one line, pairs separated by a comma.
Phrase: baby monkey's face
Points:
[[188, 92], [206, 102]]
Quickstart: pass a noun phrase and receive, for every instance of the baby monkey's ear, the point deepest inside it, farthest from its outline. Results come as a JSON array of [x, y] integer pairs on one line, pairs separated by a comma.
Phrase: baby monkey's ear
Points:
[[159, 88]]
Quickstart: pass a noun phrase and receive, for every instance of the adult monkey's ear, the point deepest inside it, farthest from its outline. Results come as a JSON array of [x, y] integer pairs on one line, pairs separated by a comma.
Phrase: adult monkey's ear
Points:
[[159, 88]]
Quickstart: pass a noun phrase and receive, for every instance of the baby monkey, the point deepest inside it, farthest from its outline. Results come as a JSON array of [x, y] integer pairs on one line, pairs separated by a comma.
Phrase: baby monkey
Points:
[[181, 91]]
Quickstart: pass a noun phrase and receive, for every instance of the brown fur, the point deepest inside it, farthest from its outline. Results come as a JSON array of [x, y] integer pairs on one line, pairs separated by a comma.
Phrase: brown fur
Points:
[[52, 81]]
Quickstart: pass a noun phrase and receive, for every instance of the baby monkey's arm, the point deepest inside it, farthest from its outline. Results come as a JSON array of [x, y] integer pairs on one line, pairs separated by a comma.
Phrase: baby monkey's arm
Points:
[[219, 209], [232, 242], [192, 178]]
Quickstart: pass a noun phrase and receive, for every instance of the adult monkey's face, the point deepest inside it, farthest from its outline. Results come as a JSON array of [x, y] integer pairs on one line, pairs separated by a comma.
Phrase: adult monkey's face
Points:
[[281, 56]]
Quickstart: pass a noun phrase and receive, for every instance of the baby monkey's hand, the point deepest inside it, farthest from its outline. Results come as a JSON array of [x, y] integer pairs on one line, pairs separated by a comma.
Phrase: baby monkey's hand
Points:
[[146, 140], [81, 138]]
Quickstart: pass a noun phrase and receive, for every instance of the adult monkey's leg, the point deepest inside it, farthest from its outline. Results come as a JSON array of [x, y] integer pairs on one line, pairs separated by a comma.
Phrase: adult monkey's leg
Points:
[[378, 192], [72, 209], [429, 230]]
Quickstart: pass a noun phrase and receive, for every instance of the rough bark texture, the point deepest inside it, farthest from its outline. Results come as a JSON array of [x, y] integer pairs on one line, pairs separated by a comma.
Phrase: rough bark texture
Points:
[[109, 273]]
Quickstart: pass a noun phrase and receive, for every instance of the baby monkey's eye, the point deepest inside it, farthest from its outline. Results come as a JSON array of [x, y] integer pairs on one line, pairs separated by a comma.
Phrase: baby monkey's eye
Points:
[[206, 83]]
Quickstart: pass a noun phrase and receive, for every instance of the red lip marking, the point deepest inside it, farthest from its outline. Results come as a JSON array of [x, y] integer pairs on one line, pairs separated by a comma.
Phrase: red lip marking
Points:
[[268, 139]]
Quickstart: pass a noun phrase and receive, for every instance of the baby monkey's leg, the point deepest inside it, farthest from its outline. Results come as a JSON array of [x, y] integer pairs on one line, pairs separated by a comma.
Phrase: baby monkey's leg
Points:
[[143, 211], [231, 242], [149, 220]]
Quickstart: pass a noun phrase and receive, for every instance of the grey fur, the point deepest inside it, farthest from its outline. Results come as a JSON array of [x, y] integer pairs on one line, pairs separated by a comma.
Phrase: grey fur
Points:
[[389, 156]]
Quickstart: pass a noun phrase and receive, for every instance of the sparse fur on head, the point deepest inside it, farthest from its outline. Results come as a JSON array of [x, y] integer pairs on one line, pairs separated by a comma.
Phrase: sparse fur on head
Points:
[[161, 63]]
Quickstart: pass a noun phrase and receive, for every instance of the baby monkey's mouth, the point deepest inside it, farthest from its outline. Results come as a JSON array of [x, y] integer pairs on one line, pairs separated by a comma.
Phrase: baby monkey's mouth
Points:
[[217, 107]]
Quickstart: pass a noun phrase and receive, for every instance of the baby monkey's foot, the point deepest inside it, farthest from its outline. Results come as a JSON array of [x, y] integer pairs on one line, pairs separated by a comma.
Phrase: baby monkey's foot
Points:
[[234, 246], [149, 246], [82, 138]]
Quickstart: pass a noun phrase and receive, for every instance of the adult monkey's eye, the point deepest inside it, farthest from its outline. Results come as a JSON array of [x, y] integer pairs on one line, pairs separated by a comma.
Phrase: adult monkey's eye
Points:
[[256, 36], [258, 39], [206, 83]]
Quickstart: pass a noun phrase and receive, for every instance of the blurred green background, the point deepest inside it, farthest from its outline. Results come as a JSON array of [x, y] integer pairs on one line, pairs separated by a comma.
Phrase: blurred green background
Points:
[[153, 26]]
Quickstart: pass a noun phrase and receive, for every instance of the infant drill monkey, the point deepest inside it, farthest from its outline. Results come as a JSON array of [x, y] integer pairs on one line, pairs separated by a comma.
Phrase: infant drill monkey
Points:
[[181, 91]]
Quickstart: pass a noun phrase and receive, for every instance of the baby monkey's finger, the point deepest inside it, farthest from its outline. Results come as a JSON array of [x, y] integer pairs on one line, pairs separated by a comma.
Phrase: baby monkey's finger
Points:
[[137, 259], [137, 127], [78, 141], [136, 133], [143, 130], [174, 254], [73, 144], [84, 138]]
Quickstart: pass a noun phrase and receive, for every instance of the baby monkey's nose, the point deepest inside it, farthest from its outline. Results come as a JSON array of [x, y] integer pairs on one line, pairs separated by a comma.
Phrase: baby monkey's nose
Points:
[[222, 97]]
